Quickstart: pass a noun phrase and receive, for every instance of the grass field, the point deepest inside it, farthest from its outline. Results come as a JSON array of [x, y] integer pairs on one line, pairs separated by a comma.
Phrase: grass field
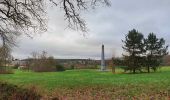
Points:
[[125, 84]]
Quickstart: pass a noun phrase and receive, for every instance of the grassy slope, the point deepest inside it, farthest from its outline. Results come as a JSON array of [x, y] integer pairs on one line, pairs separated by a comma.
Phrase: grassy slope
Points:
[[74, 78]]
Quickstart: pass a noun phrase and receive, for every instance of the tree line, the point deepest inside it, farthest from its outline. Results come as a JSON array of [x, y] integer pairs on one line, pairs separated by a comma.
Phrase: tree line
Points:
[[29, 17], [143, 53]]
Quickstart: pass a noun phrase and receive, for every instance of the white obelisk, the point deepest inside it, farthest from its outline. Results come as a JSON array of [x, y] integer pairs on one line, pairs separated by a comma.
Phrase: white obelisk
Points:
[[103, 66]]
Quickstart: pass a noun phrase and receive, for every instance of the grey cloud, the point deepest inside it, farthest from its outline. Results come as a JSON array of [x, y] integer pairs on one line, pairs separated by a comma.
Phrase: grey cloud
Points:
[[107, 26]]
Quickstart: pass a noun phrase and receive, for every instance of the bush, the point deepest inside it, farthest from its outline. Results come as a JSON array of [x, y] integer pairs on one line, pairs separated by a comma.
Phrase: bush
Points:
[[13, 92], [125, 68], [91, 67], [41, 62], [16, 66], [72, 66], [60, 68], [5, 70]]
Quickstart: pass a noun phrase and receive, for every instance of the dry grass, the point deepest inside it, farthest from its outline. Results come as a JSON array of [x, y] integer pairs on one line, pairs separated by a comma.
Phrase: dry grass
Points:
[[109, 93], [13, 92]]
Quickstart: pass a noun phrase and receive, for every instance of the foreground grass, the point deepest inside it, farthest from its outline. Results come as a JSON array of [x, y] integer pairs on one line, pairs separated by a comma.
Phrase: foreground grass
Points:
[[76, 78], [95, 83]]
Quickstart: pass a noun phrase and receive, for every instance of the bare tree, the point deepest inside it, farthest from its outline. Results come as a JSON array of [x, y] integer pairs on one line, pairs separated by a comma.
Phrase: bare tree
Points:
[[28, 16], [73, 8], [20, 16], [5, 52], [41, 62], [5, 58]]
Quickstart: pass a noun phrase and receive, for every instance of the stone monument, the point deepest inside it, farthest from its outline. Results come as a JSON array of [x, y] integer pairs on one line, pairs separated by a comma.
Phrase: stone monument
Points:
[[103, 66]]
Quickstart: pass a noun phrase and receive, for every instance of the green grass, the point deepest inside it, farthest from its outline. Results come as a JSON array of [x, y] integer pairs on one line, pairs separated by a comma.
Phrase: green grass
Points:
[[88, 77], [95, 85]]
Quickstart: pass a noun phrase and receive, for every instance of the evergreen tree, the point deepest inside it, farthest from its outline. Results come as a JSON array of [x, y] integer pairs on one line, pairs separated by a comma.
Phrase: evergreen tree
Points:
[[133, 45], [155, 51]]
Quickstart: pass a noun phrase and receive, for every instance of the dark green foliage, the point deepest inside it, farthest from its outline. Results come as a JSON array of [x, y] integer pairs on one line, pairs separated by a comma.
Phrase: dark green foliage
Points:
[[13, 92], [72, 66], [60, 67], [143, 53], [118, 61], [16, 66], [155, 51], [133, 45], [125, 68]]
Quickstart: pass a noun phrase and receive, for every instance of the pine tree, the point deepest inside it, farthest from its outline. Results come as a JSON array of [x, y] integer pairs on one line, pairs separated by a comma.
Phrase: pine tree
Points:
[[155, 51], [133, 45]]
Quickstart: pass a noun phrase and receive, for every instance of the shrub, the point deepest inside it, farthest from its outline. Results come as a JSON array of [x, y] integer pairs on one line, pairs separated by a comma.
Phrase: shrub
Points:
[[16, 66], [5, 70], [72, 66], [91, 67], [125, 68], [41, 62], [60, 68], [13, 92]]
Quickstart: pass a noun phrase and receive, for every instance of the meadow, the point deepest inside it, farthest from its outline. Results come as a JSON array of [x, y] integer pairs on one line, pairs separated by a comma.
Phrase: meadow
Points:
[[75, 83]]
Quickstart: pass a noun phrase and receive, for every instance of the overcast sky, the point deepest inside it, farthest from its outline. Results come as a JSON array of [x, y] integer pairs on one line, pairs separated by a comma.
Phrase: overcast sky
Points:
[[107, 25]]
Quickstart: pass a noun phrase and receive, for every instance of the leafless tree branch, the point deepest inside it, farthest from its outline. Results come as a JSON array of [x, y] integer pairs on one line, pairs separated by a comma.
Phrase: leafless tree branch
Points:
[[28, 16], [20, 16], [73, 8]]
